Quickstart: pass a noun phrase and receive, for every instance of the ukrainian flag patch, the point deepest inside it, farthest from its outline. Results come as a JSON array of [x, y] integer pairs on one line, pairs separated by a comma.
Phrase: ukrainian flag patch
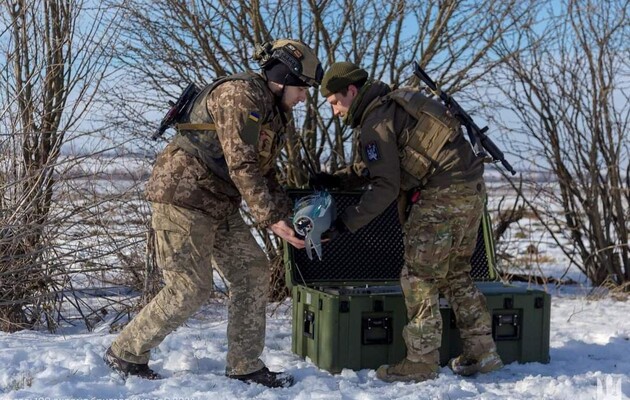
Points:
[[254, 116]]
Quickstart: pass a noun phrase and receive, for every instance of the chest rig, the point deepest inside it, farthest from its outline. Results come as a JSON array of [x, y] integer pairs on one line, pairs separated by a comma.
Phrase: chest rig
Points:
[[420, 145], [198, 136]]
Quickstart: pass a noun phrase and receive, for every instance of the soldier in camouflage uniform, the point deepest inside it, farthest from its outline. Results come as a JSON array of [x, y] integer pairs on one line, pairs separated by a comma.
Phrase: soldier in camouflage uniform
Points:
[[410, 145], [223, 154]]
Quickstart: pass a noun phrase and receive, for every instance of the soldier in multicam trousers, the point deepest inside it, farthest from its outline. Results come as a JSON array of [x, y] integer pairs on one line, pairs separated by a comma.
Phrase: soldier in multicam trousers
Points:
[[440, 237], [410, 145], [222, 155]]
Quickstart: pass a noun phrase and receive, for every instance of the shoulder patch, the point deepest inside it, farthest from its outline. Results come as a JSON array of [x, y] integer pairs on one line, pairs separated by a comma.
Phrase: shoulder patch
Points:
[[251, 129], [371, 151]]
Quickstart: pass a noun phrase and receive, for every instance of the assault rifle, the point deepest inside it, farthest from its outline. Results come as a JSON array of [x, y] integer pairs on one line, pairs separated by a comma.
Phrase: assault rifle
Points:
[[477, 136], [177, 110]]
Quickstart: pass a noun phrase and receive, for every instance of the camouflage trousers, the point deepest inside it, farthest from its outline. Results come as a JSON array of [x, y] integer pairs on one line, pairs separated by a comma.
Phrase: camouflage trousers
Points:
[[440, 236], [186, 243]]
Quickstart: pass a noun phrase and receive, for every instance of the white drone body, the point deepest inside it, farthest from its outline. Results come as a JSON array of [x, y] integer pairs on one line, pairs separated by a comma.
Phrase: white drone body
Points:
[[313, 215]]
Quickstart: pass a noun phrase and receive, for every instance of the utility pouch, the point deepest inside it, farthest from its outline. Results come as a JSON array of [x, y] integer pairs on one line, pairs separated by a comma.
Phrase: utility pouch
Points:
[[414, 162]]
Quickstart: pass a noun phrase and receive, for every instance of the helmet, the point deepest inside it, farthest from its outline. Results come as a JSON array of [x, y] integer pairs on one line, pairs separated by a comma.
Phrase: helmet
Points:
[[301, 60]]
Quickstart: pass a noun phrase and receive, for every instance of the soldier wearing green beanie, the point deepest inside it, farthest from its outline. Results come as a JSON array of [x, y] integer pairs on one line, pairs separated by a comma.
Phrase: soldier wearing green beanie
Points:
[[340, 75], [413, 152]]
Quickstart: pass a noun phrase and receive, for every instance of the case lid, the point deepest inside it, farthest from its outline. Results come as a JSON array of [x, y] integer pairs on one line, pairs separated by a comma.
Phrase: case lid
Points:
[[374, 255]]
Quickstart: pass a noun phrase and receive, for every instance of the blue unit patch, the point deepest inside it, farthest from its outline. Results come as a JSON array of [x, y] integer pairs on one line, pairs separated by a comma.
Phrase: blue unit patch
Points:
[[371, 150]]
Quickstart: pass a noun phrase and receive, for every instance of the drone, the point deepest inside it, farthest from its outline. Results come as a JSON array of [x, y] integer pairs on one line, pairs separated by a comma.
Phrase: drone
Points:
[[313, 215]]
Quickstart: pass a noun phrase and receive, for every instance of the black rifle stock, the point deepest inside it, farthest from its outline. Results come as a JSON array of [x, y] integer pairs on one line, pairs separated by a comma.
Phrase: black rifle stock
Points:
[[476, 135], [177, 110]]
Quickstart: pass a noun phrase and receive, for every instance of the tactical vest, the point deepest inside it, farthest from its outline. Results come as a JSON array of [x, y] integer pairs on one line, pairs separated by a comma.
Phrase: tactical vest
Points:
[[419, 146], [199, 138]]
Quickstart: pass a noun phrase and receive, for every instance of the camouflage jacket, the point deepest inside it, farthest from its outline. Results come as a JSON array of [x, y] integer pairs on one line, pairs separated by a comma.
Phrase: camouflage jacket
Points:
[[385, 131], [213, 170]]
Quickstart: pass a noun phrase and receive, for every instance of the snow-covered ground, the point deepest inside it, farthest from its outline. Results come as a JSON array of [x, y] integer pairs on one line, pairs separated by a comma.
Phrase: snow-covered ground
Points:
[[590, 352], [590, 359]]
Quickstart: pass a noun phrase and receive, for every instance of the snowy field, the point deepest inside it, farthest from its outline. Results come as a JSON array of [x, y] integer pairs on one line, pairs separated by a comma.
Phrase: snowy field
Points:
[[590, 353], [590, 348]]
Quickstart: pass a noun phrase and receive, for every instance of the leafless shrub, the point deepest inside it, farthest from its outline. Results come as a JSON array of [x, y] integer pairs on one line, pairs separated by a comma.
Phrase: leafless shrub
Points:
[[56, 209], [569, 94], [74, 227]]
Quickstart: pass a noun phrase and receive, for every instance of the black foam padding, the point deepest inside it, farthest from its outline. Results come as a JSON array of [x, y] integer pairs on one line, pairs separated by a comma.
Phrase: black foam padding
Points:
[[479, 259], [375, 253]]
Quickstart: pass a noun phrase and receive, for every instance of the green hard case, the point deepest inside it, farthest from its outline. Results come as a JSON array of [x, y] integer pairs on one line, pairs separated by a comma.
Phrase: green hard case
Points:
[[349, 311]]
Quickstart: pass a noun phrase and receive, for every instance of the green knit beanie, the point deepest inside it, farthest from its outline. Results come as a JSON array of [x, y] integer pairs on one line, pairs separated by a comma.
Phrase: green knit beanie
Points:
[[340, 75]]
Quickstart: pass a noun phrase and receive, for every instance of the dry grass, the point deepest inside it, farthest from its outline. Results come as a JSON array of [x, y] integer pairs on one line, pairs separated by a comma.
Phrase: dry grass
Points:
[[22, 381], [618, 292], [532, 259]]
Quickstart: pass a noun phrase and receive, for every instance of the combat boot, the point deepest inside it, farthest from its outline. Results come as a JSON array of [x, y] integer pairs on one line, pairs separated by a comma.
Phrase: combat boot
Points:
[[266, 378], [408, 371], [484, 363], [125, 368]]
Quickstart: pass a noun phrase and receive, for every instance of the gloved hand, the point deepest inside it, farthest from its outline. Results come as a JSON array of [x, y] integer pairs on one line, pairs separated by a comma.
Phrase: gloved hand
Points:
[[324, 180], [336, 229]]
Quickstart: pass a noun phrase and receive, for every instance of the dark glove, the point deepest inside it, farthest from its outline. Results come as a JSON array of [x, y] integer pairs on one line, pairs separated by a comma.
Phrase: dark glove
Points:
[[336, 229], [324, 180]]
